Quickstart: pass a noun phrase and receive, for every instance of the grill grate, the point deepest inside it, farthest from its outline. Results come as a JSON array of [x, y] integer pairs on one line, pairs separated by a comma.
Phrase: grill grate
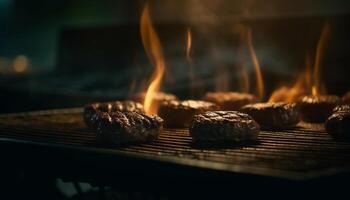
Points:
[[304, 152]]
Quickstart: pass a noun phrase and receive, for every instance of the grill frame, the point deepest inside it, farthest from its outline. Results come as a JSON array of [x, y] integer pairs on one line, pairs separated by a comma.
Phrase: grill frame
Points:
[[94, 164]]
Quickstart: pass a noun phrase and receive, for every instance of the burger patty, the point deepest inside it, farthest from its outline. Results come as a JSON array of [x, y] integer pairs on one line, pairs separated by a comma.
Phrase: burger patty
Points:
[[338, 125], [122, 128], [230, 100], [317, 108], [342, 108], [158, 97], [273, 115], [180, 113], [92, 112], [223, 126]]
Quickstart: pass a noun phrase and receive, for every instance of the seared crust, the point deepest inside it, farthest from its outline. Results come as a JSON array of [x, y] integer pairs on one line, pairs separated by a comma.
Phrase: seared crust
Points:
[[342, 108], [276, 116], [180, 113], [121, 128], [338, 125], [223, 126], [317, 108], [92, 111], [158, 97], [230, 100]]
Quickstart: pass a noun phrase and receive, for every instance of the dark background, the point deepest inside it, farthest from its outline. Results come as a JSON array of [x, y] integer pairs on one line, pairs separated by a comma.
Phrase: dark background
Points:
[[78, 52]]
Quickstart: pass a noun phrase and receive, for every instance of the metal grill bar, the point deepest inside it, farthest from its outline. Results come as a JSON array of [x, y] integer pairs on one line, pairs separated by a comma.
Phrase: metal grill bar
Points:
[[306, 149]]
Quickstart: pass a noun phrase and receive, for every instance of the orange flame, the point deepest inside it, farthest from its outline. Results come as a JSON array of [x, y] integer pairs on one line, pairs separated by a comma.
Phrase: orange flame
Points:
[[195, 84], [307, 74], [189, 60], [300, 87], [307, 82], [258, 75], [154, 51], [188, 44], [320, 49], [290, 94]]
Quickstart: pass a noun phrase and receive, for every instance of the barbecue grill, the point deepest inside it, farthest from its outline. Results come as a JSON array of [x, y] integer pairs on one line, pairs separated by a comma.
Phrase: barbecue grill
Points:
[[66, 54], [58, 144]]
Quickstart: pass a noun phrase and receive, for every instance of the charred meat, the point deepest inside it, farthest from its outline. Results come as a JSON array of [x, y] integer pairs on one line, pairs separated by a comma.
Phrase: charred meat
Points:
[[180, 113], [338, 125], [342, 108], [159, 97], [230, 100], [92, 112], [273, 116], [317, 108], [123, 128], [223, 126]]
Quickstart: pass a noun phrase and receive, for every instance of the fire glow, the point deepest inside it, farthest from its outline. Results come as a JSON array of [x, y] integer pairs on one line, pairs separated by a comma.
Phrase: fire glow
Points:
[[258, 75], [301, 86], [153, 48], [188, 45], [320, 49], [308, 82]]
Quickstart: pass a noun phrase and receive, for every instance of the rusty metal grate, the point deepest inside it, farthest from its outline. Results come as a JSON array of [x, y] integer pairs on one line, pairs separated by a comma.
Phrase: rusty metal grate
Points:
[[305, 152]]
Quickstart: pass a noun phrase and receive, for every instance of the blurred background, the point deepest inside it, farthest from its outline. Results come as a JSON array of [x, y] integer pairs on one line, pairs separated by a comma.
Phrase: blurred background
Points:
[[61, 53]]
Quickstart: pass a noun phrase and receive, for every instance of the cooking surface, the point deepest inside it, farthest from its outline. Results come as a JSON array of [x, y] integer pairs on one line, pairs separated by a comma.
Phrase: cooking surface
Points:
[[303, 153]]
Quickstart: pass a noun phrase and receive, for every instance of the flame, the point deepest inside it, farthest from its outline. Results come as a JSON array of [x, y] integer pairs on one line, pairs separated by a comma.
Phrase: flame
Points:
[[195, 82], [307, 74], [154, 51], [243, 81], [320, 49], [314, 91], [290, 94], [307, 82], [188, 44], [299, 88], [258, 75]]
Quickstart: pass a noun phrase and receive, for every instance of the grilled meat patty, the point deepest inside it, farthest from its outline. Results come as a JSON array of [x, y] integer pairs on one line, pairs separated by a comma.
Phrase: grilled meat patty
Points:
[[223, 126], [180, 113], [158, 97], [122, 128], [338, 125], [317, 108], [272, 116], [342, 108], [92, 112], [230, 100]]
